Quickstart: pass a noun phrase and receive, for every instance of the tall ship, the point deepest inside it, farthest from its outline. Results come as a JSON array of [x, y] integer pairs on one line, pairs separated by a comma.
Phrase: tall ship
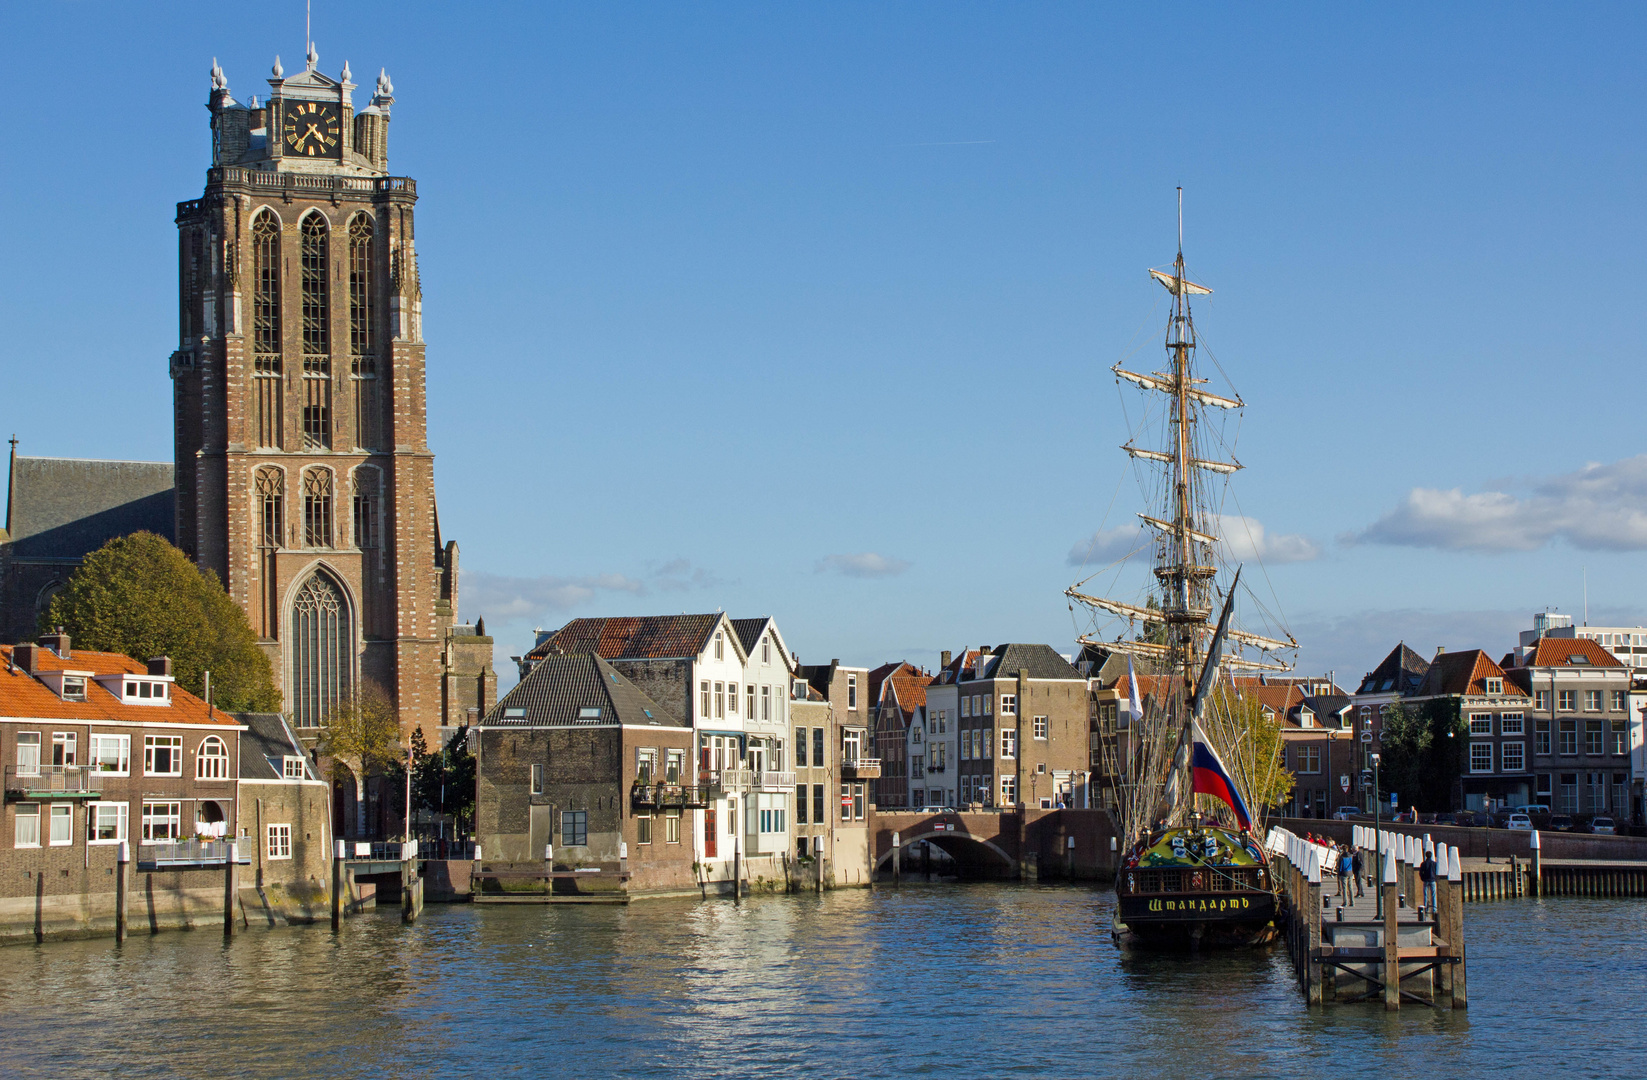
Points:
[[1190, 765]]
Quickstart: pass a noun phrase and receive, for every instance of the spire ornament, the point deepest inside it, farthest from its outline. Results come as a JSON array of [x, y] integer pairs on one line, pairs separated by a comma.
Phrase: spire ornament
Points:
[[346, 73], [314, 56], [219, 80], [279, 72]]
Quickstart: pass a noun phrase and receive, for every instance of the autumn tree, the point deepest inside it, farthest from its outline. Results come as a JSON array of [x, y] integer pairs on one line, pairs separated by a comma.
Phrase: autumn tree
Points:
[[140, 596], [1250, 744], [363, 735]]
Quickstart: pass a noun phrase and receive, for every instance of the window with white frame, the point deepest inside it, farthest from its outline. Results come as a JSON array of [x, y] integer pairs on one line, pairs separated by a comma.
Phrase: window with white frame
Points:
[[1009, 790], [703, 690], [1620, 701], [1039, 726], [537, 779], [162, 755], [1308, 757], [280, 842], [750, 696], [989, 703], [672, 827], [62, 824], [1565, 700], [1512, 756], [1511, 723], [64, 747], [674, 764], [766, 650], [106, 822], [966, 706], [1541, 700], [719, 654], [111, 754], [732, 698], [646, 764], [720, 700], [28, 825], [292, 767], [851, 691], [1481, 757], [74, 688], [1592, 701], [1494, 685], [162, 822], [211, 761], [1009, 743], [1009, 704], [28, 753], [1481, 723], [766, 703]]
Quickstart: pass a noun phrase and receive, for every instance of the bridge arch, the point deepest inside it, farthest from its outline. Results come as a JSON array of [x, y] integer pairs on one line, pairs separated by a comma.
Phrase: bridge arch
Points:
[[975, 856]]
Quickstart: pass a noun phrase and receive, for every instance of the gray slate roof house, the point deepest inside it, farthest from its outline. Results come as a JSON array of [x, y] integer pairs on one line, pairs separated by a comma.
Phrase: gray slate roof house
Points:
[[580, 690]]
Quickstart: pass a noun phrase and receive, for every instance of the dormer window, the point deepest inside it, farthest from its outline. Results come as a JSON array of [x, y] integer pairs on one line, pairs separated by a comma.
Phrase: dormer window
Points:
[[1495, 686], [293, 768], [74, 688], [144, 691]]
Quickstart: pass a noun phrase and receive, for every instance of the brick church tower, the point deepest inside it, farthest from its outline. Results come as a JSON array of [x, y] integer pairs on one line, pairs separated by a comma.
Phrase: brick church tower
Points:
[[304, 477]]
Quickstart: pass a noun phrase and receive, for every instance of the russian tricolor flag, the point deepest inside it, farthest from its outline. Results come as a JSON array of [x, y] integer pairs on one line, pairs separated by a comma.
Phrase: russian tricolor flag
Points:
[[1209, 777]]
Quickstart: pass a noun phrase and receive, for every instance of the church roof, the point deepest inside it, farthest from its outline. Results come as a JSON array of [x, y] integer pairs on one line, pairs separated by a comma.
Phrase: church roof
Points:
[[66, 508]]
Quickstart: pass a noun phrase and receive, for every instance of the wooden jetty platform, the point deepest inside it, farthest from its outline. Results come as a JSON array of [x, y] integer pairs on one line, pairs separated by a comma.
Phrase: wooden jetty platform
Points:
[[1345, 949]]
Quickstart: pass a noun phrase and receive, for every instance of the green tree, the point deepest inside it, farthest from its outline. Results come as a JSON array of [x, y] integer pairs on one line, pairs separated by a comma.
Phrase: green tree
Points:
[[363, 735], [1422, 750], [445, 782], [1250, 744], [140, 596]]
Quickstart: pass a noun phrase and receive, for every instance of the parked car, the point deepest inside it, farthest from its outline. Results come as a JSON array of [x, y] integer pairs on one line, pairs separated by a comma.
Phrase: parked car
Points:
[[1349, 813], [1534, 811], [1561, 822], [1602, 826], [1518, 821]]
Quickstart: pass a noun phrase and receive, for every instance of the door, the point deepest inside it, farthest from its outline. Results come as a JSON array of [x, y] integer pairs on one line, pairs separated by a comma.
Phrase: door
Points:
[[710, 833]]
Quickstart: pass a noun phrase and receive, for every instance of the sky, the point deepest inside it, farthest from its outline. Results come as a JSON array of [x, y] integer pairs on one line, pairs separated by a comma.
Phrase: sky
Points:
[[809, 310]]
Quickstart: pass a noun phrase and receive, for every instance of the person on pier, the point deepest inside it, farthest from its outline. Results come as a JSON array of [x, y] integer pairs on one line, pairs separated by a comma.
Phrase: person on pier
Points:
[[1426, 874]]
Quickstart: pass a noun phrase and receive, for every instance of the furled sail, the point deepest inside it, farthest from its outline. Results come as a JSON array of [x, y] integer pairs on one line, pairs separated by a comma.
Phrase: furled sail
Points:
[[1172, 283]]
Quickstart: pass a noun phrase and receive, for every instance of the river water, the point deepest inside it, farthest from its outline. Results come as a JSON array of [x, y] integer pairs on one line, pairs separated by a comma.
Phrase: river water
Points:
[[973, 980]]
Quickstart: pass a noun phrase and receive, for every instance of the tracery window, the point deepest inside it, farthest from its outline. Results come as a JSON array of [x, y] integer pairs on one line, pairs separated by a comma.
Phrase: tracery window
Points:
[[316, 312], [363, 331], [271, 496], [266, 292], [366, 508], [321, 649], [317, 508]]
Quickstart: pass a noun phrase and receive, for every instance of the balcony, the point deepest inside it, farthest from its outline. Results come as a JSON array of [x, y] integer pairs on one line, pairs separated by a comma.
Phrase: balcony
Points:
[[864, 768], [644, 796], [777, 781], [51, 782], [192, 854]]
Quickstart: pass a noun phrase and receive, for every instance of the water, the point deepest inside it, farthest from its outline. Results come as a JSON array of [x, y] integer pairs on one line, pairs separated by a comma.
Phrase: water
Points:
[[984, 980]]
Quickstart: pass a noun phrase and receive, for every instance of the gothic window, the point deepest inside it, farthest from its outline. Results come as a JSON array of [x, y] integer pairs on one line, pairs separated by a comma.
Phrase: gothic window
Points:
[[193, 255], [266, 292], [317, 508], [317, 413], [271, 494], [321, 649], [366, 509], [316, 311], [361, 307]]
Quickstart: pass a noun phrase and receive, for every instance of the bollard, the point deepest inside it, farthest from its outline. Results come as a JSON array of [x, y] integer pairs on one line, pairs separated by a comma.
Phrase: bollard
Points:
[[1392, 945], [896, 862], [337, 885], [737, 871], [1455, 932], [1537, 870], [122, 871], [228, 887], [1312, 943], [409, 884], [1444, 857]]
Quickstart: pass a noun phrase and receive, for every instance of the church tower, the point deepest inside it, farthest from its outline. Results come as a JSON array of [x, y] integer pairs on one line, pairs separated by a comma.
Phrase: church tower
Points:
[[304, 475]]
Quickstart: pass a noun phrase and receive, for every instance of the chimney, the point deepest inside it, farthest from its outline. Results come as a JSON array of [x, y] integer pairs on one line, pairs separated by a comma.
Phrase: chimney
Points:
[[57, 642], [26, 657], [160, 665], [944, 658]]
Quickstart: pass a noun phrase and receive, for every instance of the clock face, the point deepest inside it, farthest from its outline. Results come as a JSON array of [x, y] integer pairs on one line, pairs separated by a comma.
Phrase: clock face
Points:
[[312, 129]]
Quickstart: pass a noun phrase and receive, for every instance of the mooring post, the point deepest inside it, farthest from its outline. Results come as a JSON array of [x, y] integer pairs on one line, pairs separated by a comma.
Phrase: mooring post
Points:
[[408, 882], [1455, 932], [228, 886], [1444, 901], [1392, 947], [1312, 940], [737, 870], [897, 874], [818, 869], [122, 871], [1538, 870], [337, 885]]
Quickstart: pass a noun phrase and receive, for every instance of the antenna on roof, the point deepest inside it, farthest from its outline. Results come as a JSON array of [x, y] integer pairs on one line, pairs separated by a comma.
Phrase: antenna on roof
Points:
[[1585, 570]]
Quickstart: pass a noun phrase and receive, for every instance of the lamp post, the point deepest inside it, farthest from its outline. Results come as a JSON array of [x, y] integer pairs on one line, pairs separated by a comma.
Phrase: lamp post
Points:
[[1378, 836]]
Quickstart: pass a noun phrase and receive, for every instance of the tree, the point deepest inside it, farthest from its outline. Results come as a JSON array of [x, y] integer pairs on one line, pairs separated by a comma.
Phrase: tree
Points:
[[1422, 750], [1250, 744], [363, 735], [444, 783], [140, 596]]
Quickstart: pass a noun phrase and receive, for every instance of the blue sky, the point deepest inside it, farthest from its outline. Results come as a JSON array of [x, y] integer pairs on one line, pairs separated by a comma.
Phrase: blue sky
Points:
[[809, 310]]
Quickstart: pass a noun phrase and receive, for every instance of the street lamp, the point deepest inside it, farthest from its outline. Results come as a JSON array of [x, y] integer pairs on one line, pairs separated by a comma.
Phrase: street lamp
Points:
[[1378, 838]]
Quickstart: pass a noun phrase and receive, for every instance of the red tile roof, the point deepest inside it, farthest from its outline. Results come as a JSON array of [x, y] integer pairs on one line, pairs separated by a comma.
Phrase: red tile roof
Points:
[[24, 696], [646, 637], [1563, 652], [1464, 673]]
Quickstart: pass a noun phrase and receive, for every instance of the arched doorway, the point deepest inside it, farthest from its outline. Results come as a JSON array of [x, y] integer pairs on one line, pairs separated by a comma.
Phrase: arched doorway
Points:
[[322, 648]]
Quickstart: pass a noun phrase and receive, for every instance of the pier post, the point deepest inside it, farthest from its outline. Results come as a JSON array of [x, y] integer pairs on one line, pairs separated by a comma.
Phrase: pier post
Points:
[[337, 885], [1312, 939], [737, 869], [897, 862], [122, 890], [1455, 932], [1537, 871], [1444, 902], [1392, 947], [409, 884], [228, 886]]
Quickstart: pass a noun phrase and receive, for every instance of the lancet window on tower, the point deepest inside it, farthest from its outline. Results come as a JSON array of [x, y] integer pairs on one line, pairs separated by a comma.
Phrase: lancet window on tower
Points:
[[366, 508], [266, 293], [316, 308], [363, 330], [271, 498], [321, 649], [317, 508]]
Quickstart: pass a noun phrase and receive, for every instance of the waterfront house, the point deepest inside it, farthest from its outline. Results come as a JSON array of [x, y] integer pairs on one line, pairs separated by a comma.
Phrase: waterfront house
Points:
[[1023, 729], [899, 691], [1567, 746], [285, 808], [99, 749], [941, 731], [847, 768], [1478, 695], [576, 763]]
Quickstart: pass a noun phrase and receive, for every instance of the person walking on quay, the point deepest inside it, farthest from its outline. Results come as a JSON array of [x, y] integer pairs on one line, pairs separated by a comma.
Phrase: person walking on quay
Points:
[[1426, 874], [1346, 869], [1355, 868]]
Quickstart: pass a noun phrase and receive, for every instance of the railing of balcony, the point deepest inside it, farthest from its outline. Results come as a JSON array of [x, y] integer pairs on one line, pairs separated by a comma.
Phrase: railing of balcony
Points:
[[672, 796], [777, 781], [30, 781], [186, 853]]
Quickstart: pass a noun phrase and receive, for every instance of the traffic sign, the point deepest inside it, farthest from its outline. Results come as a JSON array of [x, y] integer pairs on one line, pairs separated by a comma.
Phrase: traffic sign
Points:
[[1344, 782]]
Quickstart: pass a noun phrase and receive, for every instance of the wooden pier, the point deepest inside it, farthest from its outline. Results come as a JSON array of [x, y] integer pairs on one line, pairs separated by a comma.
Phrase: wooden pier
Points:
[[1345, 950]]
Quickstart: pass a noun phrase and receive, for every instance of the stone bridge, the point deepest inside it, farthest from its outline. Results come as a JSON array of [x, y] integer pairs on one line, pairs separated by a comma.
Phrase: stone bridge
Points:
[[1005, 844]]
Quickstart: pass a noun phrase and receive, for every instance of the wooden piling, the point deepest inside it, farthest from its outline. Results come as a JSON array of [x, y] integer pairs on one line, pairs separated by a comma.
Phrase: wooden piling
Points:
[[337, 885], [228, 887], [1455, 936], [122, 890]]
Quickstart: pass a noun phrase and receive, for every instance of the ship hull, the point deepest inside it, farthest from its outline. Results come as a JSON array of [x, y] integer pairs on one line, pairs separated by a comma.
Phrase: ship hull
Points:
[[1189, 921]]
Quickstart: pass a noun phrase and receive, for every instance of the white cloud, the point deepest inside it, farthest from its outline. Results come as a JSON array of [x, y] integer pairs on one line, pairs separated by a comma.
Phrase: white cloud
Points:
[[1245, 539], [501, 598], [1599, 507], [865, 564], [679, 575]]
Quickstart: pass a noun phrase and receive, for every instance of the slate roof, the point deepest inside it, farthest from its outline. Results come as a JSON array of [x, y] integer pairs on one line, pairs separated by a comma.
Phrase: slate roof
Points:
[[1042, 662], [642, 637], [1570, 652], [24, 696], [66, 508], [265, 745], [749, 631], [558, 688], [1464, 673], [1400, 672]]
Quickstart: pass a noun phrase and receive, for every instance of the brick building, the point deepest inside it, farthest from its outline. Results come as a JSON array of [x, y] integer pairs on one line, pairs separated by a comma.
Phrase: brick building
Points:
[[1568, 747], [848, 770], [1024, 729]]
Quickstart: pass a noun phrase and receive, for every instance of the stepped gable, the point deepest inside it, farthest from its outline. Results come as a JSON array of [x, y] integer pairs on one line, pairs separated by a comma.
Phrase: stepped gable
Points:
[[1400, 672], [557, 690], [643, 637]]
